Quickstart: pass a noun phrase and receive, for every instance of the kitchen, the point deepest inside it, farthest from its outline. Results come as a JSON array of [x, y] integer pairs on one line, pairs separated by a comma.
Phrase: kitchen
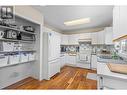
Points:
[[72, 48]]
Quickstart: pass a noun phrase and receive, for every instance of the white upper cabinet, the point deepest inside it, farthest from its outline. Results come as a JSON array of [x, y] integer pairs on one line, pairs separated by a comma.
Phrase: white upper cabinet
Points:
[[73, 39], [101, 37], [123, 21], [98, 37], [64, 39], [94, 38], [84, 36], [119, 21], [116, 22], [108, 35]]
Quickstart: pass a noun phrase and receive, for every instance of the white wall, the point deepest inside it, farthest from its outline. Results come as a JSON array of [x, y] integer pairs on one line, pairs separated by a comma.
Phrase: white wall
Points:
[[30, 13]]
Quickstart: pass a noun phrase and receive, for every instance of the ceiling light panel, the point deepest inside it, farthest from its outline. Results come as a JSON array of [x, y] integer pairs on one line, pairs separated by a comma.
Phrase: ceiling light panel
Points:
[[77, 22]]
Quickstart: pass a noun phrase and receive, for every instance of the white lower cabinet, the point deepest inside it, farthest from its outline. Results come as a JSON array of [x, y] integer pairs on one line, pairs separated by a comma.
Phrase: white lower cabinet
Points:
[[119, 21], [107, 79], [62, 61], [70, 59], [105, 83], [94, 62], [54, 67]]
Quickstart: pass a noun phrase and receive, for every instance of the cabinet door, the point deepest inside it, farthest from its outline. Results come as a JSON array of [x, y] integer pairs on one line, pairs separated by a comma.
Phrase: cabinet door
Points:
[[101, 37], [94, 38], [72, 39], [123, 21], [64, 39], [116, 21], [98, 37], [108, 36], [119, 21], [62, 61], [84, 36], [113, 83], [57, 47], [72, 59], [94, 61]]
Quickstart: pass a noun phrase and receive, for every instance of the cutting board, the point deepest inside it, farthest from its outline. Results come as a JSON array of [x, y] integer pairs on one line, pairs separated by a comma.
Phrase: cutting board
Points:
[[118, 68]]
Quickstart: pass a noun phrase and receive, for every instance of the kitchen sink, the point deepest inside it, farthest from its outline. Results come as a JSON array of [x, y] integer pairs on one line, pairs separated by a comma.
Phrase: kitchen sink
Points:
[[109, 59], [106, 57]]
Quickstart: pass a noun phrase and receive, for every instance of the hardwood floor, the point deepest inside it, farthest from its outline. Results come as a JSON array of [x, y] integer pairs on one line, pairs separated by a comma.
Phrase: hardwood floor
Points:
[[68, 78]]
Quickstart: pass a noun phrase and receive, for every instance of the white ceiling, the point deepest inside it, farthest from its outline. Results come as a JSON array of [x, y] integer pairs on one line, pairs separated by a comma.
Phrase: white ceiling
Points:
[[101, 16]]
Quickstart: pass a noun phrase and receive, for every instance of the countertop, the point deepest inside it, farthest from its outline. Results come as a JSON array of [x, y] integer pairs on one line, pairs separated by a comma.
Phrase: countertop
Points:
[[115, 61], [68, 53], [103, 70]]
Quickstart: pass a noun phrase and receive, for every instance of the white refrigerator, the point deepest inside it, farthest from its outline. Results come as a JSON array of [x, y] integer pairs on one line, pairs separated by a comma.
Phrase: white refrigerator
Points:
[[51, 53]]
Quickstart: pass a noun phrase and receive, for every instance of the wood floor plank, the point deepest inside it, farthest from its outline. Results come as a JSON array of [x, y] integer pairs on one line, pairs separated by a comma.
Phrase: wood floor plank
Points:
[[68, 78]]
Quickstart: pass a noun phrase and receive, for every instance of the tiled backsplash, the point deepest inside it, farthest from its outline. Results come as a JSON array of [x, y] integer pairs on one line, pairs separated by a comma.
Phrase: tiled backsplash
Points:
[[95, 48], [69, 48]]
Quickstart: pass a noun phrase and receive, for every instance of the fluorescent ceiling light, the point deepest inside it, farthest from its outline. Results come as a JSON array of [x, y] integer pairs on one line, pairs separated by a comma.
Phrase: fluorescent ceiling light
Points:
[[77, 22]]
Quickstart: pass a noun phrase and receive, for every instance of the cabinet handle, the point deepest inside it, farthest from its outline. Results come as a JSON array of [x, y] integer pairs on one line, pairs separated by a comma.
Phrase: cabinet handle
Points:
[[101, 83]]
